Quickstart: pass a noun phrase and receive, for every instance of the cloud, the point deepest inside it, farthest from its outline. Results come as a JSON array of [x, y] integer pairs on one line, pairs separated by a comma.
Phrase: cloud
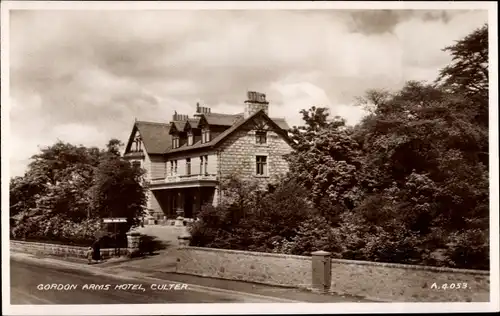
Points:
[[86, 75]]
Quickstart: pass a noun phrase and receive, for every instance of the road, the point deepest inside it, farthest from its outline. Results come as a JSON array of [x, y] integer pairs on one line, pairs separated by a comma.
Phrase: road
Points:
[[27, 276]]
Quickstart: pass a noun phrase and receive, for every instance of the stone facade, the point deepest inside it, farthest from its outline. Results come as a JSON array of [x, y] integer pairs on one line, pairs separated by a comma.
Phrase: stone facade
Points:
[[181, 178], [371, 280], [238, 156]]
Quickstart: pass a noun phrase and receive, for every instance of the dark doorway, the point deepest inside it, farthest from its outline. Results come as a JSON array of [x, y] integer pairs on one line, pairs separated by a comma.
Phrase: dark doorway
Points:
[[188, 204]]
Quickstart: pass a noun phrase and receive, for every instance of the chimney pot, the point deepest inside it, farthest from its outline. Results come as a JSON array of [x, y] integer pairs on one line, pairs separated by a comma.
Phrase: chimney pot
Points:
[[256, 101]]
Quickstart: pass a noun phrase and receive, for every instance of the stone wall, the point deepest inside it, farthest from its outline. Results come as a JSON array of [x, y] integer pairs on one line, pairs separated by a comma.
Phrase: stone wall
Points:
[[58, 250], [238, 155], [275, 269], [376, 281]]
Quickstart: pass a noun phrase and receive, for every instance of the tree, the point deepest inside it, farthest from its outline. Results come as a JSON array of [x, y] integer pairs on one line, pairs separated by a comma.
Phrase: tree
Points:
[[117, 190], [58, 196], [468, 72], [114, 146], [316, 119], [326, 159]]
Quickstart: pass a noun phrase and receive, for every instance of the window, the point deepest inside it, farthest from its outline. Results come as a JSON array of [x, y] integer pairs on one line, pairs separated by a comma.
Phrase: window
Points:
[[175, 142], [205, 136], [136, 164], [188, 166], [190, 139], [260, 137], [261, 165], [171, 167], [137, 144], [201, 164], [175, 166], [206, 164]]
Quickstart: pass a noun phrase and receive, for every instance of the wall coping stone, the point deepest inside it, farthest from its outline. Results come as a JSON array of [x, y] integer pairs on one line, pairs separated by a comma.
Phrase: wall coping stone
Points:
[[343, 261], [46, 244], [252, 253]]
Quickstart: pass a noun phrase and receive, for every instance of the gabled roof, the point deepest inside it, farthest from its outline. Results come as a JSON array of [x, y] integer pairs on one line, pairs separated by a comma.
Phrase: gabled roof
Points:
[[191, 123], [240, 121], [179, 125], [281, 123], [155, 136]]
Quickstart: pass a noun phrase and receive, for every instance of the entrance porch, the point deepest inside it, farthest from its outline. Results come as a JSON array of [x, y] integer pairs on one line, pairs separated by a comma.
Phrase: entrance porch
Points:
[[184, 202]]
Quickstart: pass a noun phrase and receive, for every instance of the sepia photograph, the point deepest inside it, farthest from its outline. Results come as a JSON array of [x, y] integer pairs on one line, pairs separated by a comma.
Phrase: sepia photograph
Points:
[[166, 157]]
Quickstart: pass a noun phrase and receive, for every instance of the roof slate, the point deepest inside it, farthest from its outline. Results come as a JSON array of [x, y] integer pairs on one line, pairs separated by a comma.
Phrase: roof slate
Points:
[[222, 119], [237, 123], [155, 136], [157, 139]]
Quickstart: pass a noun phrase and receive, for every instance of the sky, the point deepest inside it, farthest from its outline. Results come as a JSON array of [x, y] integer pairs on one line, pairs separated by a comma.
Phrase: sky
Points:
[[85, 76]]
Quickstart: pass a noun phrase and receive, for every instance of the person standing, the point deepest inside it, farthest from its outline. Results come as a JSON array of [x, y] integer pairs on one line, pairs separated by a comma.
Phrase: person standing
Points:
[[96, 251], [90, 253]]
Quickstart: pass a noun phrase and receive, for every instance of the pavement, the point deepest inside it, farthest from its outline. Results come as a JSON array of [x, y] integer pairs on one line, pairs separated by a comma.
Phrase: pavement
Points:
[[165, 233], [28, 271]]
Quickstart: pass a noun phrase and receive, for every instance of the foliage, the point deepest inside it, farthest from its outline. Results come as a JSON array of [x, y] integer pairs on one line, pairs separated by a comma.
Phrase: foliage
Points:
[[468, 71], [57, 229], [59, 198], [117, 191], [408, 184]]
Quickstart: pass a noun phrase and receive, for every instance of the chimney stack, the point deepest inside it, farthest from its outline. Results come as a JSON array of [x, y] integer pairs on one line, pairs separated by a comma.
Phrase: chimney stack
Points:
[[201, 110], [179, 117], [255, 102]]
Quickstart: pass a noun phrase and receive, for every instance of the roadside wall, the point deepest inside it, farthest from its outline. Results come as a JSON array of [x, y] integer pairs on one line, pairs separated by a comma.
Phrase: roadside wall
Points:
[[371, 280], [58, 250]]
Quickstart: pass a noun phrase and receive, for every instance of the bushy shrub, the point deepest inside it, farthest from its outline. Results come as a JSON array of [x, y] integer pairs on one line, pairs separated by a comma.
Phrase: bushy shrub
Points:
[[56, 229], [312, 235], [469, 248]]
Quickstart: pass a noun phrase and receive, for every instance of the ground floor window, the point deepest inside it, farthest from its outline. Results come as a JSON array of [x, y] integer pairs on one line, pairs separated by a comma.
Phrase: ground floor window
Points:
[[261, 164]]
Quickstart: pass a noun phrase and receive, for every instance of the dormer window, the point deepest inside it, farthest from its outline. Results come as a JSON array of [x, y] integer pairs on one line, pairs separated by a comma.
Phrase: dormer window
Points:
[[260, 137], [190, 138], [205, 136], [175, 142]]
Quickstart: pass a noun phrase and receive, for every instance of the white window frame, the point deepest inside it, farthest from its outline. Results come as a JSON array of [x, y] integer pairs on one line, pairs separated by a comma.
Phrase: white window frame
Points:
[[205, 135], [190, 139], [265, 168], [264, 133], [188, 166], [206, 165], [175, 142]]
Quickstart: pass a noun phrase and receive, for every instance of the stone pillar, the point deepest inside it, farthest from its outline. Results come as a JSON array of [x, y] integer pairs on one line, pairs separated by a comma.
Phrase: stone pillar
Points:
[[133, 243], [185, 238], [179, 218], [321, 271]]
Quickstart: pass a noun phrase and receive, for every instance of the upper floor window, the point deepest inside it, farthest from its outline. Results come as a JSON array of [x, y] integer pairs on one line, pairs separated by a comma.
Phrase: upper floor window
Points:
[[204, 165], [173, 167], [175, 142], [205, 136], [261, 165], [190, 139], [261, 137], [137, 145], [188, 166], [136, 163]]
